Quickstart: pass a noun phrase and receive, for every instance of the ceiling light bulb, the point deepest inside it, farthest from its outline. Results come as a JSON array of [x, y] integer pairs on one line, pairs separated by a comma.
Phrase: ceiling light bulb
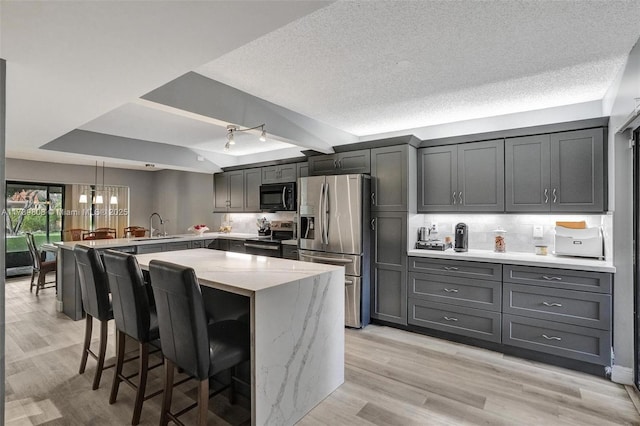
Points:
[[83, 199], [263, 136], [99, 199], [113, 200], [232, 140]]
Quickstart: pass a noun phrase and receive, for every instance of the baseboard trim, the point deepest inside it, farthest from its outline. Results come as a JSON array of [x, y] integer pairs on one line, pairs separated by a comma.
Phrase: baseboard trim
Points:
[[59, 305], [634, 395], [622, 375]]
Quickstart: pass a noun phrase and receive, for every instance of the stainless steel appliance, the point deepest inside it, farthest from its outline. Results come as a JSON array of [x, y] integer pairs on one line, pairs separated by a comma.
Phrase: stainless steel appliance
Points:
[[270, 245], [332, 228], [278, 197], [461, 237]]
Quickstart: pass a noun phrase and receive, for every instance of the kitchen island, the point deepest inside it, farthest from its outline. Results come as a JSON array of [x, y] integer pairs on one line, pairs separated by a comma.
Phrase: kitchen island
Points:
[[297, 326]]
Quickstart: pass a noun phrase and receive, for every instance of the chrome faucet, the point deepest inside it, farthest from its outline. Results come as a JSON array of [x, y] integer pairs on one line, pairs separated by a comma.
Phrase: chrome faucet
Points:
[[151, 223]]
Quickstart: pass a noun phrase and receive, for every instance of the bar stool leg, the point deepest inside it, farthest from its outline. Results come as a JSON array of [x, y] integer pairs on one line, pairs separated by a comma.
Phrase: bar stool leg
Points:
[[104, 328], [203, 402], [117, 375], [168, 389], [142, 383], [87, 342]]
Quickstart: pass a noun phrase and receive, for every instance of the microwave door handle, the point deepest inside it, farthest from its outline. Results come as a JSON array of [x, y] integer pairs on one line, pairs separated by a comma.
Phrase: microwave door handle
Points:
[[284, 197]]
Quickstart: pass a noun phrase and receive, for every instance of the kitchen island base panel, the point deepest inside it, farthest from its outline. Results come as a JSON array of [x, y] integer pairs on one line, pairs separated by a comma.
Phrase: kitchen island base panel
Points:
[[301, 347]]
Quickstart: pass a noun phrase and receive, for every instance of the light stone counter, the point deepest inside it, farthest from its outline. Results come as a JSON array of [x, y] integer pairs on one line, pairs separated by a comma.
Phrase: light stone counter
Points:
[[123, 242], [297, 326], [526, 259]]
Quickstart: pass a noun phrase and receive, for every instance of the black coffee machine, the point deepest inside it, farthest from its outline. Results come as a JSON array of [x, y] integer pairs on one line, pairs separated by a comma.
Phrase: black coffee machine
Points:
[[462, 238]]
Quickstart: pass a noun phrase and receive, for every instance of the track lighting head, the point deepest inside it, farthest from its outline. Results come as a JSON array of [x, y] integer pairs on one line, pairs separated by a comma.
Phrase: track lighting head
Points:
[[232, 129]]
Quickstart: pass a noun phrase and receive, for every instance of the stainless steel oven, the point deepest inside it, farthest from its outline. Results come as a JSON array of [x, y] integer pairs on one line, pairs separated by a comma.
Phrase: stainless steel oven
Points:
[[263, 247], [278, 197]]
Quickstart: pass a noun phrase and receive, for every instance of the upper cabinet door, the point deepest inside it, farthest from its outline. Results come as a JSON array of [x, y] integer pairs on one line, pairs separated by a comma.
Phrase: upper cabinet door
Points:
[[280, 174], [389, 178], [236, 190], [323, 165], [303, 169], [270, 174], [481, 176], [577, 171], [438, 179], [220, 193], [527, 174], [252, 181], [354, 162]]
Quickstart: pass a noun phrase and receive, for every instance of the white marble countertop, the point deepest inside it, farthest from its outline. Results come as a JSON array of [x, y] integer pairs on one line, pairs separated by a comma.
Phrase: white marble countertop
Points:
[[239, 272], [120, 242], [526, 259]]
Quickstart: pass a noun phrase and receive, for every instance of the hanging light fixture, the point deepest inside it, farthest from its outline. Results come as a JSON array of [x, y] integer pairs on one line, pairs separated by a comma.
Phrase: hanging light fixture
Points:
[[232, 129], [83, 199]]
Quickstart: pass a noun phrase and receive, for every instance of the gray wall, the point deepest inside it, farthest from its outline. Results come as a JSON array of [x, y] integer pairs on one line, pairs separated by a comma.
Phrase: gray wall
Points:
[[183, 198], [623, 104]]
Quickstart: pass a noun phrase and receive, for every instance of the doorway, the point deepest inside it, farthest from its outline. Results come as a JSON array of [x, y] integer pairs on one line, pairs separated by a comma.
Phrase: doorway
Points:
[[30, 207]]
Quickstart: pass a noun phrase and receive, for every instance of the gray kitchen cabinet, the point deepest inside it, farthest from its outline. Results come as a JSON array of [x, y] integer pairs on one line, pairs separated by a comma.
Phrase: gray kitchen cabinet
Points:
[[280, 174], [220, 244], [560, 312], [350, 162], [178, 245], [466, 177], [471, 293], [477, 323], [252, 182], [456, 268], [390, 177], [389, 267], [557, 172], [228, 188], [149, 248], [290, 252], [303, 169]]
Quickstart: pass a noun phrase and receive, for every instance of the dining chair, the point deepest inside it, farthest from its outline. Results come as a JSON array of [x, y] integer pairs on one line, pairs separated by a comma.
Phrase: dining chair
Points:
[[40, 267], [74, 234], [134, 231], [189, 342]]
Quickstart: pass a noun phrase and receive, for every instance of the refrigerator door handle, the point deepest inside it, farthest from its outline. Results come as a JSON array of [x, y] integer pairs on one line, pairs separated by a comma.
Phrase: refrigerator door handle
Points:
[[325, 213], [320, 222]]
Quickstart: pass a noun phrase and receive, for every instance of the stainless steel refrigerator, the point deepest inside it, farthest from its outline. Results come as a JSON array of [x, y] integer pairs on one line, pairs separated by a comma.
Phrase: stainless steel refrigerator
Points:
[[333, 228]]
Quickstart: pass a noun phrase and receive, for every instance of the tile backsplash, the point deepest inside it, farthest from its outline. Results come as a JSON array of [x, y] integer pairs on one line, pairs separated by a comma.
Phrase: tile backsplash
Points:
[[519, 227], [246, 222]]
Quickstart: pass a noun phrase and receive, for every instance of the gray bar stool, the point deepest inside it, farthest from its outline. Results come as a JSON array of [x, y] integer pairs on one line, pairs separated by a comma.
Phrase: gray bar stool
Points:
[[200, 349], [95, 302]]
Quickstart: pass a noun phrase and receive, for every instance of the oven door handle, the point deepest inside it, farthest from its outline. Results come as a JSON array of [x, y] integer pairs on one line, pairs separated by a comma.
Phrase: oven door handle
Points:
[[327, 259], [261, 246]]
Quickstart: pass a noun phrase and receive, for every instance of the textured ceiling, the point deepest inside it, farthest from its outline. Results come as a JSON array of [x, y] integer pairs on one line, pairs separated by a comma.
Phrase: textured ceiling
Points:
[[374, 67], [353, 70]]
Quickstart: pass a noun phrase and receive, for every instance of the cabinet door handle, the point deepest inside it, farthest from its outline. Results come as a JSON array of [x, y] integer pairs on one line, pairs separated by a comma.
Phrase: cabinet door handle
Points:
[[546, 195], [373, 224], [555, 196], [454, 198], [450, 318], [460, 196], [552, 278], [451, 290], [552, 304], [450, 268], [551, 337], [339, 164], [373, 198], [335, 164]]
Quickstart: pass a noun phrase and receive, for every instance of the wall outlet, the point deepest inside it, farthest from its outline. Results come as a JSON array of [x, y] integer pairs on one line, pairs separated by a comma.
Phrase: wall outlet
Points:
[[537, 231], [433, 229]]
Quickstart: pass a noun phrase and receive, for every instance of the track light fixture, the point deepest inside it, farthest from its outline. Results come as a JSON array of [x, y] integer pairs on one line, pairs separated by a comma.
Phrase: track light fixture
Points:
[[232, 129]]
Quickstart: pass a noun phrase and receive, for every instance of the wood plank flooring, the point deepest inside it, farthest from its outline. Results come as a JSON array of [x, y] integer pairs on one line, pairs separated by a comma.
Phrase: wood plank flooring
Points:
[[392, 378]]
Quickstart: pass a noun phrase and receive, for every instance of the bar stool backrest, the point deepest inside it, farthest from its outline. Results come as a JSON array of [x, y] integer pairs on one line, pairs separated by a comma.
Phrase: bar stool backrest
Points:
[[93, 282]]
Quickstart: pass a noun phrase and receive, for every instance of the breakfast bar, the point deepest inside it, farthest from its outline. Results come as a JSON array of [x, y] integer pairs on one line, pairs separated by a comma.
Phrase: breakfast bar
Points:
[[297, 325]]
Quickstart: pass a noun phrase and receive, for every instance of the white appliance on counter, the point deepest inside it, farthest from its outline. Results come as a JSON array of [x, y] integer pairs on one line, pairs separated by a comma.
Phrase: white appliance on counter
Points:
[[579, 242], [332, 228]]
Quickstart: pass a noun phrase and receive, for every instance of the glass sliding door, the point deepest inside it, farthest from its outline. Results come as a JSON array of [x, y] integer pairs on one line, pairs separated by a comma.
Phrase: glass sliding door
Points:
[[30, 207]]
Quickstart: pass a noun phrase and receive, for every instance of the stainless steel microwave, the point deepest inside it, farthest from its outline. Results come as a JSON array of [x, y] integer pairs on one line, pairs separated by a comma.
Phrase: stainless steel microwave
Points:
[[278, 197]]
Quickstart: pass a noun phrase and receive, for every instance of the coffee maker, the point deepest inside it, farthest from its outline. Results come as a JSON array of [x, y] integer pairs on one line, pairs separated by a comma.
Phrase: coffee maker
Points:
[[461, 237]]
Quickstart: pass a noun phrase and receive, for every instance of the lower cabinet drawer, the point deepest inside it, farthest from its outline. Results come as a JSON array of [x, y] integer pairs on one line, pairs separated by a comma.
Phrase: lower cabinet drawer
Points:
[[471, 293], [290, 252], [236, 246], [569, 341], [567, 306], [469, 322]]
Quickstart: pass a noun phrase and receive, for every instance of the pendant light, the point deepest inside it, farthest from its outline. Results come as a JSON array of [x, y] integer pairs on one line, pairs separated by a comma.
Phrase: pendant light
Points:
[[97, 199], [232, 129]]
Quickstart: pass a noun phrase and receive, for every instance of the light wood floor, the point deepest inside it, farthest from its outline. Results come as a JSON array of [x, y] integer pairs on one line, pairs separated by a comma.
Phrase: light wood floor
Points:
[[392, 378]]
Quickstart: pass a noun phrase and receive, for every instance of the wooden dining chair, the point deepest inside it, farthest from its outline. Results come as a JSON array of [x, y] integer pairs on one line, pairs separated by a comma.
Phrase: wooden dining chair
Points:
[[40, 267], [105, 233], [134, 231], [74, 234]]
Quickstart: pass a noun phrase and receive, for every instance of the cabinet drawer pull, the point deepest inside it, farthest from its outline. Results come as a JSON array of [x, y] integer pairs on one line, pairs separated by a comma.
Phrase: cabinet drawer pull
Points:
[[546, 196], [454, 198], [552, 304], [451, 290], [450, 318], [551, 337], [450, 268], [460, 196], [555, 196], [373, 198], [335, 164], [552, 278]]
